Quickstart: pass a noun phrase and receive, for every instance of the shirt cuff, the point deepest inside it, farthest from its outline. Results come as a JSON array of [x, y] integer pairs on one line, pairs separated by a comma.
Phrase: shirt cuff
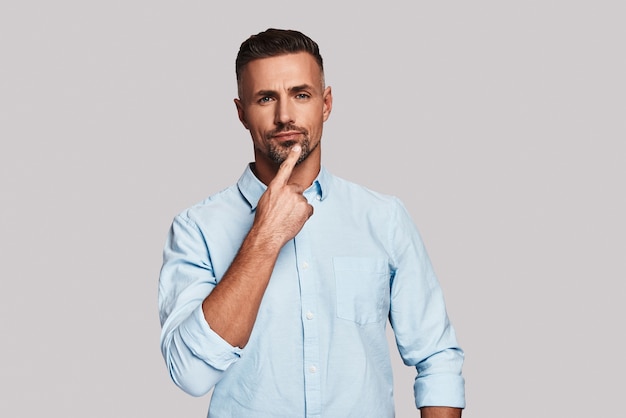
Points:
[[440, 390], [205, 343]]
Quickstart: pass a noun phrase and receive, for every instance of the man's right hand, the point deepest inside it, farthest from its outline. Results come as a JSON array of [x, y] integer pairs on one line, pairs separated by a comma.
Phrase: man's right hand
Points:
[[282, 210]]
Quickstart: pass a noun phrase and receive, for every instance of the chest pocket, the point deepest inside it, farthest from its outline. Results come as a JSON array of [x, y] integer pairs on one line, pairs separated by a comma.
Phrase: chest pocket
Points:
[[362, 285]]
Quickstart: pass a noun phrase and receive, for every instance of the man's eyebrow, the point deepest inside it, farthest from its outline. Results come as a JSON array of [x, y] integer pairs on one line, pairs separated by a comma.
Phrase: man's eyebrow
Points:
[[263, 93], [301, 87], [298, 88]]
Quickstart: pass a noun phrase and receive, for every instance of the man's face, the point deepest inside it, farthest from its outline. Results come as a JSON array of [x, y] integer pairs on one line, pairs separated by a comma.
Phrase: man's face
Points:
[[282, 102]]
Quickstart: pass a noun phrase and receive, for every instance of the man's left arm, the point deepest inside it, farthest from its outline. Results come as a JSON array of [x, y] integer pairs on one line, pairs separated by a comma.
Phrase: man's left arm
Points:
[[424, 335]]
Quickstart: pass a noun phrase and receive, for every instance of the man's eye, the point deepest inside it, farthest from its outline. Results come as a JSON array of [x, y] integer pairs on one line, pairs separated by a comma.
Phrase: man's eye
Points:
[[302, 96], [265, 99]]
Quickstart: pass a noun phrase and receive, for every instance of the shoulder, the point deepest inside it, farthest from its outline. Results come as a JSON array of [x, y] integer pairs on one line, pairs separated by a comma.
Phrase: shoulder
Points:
[[362, 194], [224, 201]]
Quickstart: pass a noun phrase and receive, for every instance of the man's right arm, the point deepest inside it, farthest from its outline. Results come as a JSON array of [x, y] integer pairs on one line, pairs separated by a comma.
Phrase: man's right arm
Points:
[[228, 313]]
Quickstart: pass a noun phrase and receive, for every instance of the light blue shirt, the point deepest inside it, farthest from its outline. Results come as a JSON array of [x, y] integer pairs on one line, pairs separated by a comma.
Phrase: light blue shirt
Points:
[[318, 347]]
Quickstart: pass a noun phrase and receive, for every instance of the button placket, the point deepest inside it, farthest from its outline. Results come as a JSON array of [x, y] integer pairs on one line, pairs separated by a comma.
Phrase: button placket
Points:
[[308, 300]]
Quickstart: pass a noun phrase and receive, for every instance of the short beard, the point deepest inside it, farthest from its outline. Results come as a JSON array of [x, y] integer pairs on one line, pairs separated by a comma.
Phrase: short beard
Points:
[[278, 152]]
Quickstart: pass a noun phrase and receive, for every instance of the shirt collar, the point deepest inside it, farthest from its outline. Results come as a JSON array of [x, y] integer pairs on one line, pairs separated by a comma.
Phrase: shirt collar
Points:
[[251, 188]]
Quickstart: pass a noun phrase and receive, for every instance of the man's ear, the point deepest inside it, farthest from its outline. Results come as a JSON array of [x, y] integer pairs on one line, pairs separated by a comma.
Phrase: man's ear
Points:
[[328, 102], [241, 113]]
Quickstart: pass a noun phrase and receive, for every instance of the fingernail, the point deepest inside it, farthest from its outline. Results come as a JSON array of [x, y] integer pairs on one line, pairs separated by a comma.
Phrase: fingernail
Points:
[[296, 148]]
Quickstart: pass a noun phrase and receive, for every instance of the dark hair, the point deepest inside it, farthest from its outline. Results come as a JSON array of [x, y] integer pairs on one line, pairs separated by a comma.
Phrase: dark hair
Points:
[[274, 42]]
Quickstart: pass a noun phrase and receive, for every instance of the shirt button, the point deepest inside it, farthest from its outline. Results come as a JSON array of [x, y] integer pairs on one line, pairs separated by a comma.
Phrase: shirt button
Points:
[[318, 197], [309, 315], [313, 369], [305, 265]]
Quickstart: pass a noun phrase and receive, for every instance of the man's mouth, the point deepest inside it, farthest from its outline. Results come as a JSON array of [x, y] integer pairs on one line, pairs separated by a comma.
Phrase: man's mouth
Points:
[[287, 136]]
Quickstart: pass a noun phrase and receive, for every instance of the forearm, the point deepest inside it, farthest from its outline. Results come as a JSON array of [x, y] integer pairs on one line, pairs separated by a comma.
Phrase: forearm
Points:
[[440, 412], [231, 308]]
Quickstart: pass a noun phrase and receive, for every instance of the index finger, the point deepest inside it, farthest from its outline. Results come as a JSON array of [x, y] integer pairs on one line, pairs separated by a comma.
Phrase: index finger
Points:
[[286, 168]]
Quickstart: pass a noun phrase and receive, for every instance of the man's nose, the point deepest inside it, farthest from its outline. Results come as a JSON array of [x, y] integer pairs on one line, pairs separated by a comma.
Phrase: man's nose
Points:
[[284, 113]]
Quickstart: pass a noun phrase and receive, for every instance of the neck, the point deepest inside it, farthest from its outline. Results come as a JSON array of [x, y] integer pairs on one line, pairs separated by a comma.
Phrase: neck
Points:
[[303, 174]]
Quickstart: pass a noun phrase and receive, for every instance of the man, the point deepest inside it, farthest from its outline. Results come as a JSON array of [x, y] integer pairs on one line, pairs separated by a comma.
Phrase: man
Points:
[[276, 291]]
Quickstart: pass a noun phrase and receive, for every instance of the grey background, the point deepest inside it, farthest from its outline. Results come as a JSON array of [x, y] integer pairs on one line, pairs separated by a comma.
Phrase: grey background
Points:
[[500, 124]]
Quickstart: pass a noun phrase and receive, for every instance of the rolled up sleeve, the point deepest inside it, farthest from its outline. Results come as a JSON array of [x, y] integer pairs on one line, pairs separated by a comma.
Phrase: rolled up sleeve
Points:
[[195, 355]]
